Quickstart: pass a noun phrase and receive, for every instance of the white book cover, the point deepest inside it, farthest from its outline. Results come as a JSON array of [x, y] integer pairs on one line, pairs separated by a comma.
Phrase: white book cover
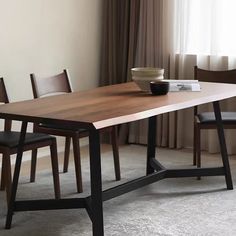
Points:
[[183, 85], [185, 81]]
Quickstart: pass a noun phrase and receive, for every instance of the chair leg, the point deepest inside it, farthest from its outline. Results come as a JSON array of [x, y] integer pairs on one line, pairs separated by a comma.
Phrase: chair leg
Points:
[[198, 148], [78, 173], [194, 145], [33, 165], [7, 175], [67, 154], [2, 187], [115, 148], [55, 170]]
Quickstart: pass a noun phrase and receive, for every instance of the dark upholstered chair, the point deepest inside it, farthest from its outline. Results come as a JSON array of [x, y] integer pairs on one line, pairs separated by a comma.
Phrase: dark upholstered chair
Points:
[[206, 120], [59, 84], [9, 144]]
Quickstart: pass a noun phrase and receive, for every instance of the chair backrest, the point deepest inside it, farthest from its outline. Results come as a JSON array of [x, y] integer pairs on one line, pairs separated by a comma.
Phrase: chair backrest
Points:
[[51, 85], [3, 92], [4, 99], [226, 76]]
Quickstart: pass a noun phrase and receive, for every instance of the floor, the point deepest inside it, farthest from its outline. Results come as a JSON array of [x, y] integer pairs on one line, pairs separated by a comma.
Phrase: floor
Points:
[[172, 207]]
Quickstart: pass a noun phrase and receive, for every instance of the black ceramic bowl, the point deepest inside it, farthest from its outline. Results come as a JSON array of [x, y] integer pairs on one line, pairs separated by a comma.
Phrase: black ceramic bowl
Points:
[[159, 87]]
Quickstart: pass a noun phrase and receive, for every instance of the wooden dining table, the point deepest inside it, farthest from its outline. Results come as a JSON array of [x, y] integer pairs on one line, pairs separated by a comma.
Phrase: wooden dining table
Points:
[[104, 107]]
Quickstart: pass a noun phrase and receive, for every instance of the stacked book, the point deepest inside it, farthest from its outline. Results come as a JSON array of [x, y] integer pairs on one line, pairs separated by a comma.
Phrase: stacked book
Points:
[[183, 85]]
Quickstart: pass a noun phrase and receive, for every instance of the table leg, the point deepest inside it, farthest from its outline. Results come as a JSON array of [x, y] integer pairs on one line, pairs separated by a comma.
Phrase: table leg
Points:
[[223, 148], [16, 175], [151, 144], [96, 183]]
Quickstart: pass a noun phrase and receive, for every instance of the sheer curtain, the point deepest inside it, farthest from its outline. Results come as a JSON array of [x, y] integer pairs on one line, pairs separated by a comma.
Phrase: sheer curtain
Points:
[[177, 35], [205, 27], [201, 32]]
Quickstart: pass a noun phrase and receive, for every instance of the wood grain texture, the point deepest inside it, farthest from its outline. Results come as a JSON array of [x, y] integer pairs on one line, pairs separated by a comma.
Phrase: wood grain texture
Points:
[[111, 105]]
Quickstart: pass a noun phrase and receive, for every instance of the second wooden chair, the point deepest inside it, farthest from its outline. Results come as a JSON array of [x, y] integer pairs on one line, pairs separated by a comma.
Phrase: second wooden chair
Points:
[[59, 84], [206, 120]]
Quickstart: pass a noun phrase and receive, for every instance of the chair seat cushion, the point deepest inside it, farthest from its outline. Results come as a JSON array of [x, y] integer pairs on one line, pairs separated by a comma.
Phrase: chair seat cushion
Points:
[[11, 139], [209, 117]]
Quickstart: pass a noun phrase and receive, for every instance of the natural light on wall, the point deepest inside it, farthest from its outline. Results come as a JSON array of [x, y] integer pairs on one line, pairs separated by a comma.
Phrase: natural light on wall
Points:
[[205, 27]]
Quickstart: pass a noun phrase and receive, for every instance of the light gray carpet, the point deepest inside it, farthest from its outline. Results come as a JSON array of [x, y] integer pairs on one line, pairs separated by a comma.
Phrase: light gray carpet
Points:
[[173, 207]]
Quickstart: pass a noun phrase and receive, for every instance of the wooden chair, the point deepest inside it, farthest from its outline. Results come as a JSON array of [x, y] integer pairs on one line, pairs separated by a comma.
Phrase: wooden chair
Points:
[[9, 143], [206, 120], [56, 85]]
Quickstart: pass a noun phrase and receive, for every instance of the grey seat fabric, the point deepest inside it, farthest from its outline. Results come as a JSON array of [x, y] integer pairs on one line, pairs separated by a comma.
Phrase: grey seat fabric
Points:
[[209, 117], [11, 139]]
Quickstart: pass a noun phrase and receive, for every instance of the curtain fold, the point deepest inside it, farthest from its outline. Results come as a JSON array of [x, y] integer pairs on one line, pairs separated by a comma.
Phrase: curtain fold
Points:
[[119, 45], [115, 42], [119, 41], [151, 53]]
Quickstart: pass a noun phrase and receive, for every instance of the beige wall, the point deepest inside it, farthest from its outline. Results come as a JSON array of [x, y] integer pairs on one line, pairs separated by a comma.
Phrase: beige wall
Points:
[[46, 36]]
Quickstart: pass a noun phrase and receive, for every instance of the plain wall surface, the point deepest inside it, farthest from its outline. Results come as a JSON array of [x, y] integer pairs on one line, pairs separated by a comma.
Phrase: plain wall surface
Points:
[[46, 36]]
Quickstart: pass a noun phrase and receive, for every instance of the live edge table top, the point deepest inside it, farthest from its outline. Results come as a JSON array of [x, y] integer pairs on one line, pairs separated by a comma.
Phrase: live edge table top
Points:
[[111, 105]]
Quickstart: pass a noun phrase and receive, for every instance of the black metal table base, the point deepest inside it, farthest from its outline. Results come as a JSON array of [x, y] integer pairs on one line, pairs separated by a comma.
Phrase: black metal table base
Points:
[[75, 203], [94, 203]]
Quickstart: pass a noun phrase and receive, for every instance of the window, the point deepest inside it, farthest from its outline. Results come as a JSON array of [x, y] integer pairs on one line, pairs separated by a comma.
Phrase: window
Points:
[[205, 27]]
